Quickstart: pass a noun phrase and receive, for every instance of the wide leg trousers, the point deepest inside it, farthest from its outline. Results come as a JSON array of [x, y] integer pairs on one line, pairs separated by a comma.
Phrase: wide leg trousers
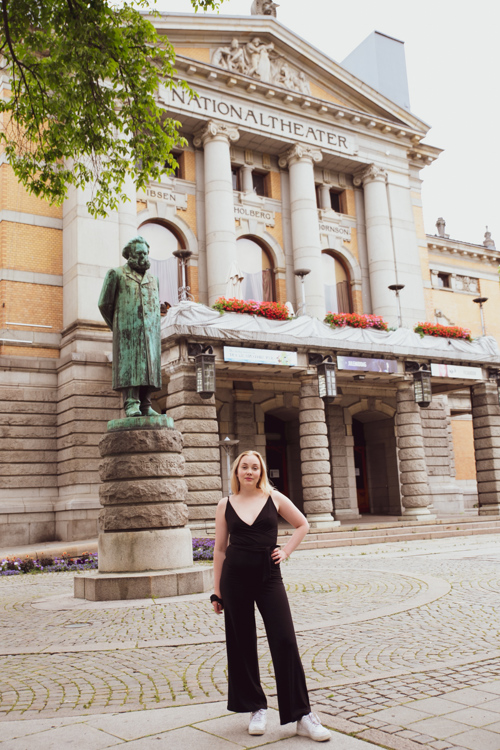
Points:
[[250, 578]]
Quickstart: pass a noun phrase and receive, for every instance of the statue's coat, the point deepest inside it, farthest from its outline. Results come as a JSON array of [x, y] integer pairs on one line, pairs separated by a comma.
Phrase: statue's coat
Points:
[[130, 305]]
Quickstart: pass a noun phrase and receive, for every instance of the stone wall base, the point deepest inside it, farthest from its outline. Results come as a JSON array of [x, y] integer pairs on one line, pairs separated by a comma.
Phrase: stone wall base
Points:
[[447, 497], [30, 527], [492, 509], [344, 514], [198, 528], [104, 587]]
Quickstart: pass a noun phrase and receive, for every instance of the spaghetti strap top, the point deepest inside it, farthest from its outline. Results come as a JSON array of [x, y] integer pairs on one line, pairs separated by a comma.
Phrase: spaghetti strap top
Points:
[[262, 533]]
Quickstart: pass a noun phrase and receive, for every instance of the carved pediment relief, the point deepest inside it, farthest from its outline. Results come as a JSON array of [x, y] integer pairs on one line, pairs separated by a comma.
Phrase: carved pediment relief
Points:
[[262, 62]]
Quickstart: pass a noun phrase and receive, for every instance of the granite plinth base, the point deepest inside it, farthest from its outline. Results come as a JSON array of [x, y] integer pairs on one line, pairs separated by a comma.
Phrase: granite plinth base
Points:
[[105, 587], [161, 422], [417, 514], [145, 550]]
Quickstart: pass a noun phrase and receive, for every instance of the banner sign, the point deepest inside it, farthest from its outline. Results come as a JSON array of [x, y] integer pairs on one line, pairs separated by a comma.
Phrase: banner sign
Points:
[[367, 365], [457, 371], [259, 356]]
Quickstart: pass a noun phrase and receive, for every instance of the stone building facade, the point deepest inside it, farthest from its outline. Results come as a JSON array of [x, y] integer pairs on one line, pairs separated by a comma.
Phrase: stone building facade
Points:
[[291, 163]]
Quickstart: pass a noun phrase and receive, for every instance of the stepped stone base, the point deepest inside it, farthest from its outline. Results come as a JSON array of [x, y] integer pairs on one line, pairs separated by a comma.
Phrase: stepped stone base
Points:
[[103, 587]]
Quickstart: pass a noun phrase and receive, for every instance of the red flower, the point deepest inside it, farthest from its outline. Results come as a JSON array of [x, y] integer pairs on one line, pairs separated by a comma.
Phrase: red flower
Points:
[[355, 320], [269, 310], [448, 332]]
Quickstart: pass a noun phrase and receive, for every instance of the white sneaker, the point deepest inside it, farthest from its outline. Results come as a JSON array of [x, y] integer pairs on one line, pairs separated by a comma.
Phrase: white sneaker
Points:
[[311, 726], [258, 721]]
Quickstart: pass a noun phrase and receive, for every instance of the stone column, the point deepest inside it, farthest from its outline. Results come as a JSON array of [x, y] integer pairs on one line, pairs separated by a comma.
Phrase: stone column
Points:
[[447, 498], [219, 204], [486, 424], [305, 225], [415, 492], [246, 179], [325, 200], [381, 264], [315, 457], [196, 418]]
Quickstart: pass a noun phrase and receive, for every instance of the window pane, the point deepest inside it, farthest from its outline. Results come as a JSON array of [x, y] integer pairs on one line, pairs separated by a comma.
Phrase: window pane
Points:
[[162, 243], [337, 297], [256, 268], [335, 201], [235, 172], [259, 183]]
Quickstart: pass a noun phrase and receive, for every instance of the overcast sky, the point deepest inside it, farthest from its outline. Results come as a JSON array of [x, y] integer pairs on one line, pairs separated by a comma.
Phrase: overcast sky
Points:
[[453, 65]]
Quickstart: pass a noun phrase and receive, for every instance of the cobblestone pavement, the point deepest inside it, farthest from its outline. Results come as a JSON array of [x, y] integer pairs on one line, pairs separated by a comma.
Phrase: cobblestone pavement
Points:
[[400, 643]]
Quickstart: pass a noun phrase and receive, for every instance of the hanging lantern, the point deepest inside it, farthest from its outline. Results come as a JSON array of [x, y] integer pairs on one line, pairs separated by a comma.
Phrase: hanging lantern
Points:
[[327, 382], [422, 387], [205, 375]]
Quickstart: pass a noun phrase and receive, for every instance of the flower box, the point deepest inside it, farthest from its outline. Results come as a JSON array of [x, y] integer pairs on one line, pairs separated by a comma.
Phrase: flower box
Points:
[[269, 310], [447, 332], [338, 320]]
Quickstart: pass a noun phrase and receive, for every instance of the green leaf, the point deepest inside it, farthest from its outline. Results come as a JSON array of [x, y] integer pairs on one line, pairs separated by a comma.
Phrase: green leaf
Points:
[[82, 108]]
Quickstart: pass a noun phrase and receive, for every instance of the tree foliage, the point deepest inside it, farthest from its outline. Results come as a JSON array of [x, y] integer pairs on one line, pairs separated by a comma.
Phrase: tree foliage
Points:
[[82, 108]]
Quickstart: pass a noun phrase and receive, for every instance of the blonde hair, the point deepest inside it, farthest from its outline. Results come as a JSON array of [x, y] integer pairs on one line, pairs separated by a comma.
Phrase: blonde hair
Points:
[[263, 483]]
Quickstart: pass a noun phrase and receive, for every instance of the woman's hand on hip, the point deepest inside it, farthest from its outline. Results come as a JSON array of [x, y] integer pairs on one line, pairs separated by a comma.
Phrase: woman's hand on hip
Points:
[[278, 555]]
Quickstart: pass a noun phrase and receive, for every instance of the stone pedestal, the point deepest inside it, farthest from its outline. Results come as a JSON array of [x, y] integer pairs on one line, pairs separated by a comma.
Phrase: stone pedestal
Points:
[[144, 545]]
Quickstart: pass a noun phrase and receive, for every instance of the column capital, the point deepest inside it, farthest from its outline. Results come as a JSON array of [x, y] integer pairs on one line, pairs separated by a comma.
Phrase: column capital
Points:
[[300, 152], [213, 130], [371, 173]]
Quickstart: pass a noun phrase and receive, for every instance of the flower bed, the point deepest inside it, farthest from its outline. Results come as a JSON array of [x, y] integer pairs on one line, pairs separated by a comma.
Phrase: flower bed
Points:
[[337, 320], [203, 549], [269, 310], [16, 566], [447, 332]]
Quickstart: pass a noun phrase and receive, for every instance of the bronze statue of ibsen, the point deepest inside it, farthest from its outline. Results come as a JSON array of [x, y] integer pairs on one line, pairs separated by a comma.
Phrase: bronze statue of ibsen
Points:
[[130, 305]]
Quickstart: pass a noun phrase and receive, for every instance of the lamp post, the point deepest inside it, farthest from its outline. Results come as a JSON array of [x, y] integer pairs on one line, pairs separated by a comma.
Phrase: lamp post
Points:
[[227, 444], [480, 301], [397, 288], [302, 273], [183, 256], [422, 387]]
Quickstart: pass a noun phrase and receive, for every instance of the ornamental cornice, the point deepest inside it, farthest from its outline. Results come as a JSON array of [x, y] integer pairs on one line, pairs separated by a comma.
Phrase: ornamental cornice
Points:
[[372, 173], [456, 249], [213, 130], [300, 152]]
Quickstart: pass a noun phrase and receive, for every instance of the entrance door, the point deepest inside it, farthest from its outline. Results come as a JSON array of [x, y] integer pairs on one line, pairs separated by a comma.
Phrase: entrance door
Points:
[[276, 467], [361, 479]]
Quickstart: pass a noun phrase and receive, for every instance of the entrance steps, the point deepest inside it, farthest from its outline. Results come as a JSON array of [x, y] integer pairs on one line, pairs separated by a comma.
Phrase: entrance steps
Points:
[[393, 530]]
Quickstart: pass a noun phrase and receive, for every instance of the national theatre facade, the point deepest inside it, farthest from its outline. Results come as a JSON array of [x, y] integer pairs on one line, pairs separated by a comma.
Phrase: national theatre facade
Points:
[[299, 183]]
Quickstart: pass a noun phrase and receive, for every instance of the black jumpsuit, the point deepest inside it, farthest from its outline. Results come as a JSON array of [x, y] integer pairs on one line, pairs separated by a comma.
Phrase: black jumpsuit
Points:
[[250, 576]]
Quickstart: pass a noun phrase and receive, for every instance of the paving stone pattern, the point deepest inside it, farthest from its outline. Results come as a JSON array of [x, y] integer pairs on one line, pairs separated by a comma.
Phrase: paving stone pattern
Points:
[[401, 648]]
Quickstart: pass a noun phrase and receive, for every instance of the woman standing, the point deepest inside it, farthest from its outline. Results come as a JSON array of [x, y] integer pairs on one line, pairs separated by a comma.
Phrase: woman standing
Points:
[[247, 572]]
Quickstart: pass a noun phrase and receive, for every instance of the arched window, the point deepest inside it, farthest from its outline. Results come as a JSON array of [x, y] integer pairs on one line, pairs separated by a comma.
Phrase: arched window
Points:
[[163, 241], [337, 284], [256, 267]]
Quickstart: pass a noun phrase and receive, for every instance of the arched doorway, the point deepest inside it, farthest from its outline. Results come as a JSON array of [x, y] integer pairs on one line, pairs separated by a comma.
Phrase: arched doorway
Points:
[[256, 264], [375, 463], [163, 240], [283, 452], [337, 283]]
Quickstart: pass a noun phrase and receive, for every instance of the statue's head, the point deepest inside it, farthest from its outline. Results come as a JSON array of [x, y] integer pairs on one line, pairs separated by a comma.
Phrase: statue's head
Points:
[[136, 252], [235, 44]]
